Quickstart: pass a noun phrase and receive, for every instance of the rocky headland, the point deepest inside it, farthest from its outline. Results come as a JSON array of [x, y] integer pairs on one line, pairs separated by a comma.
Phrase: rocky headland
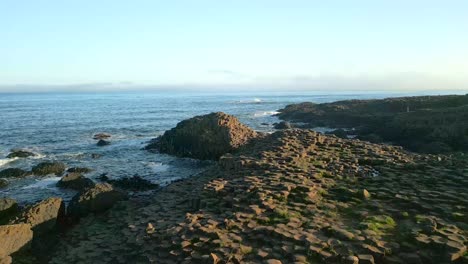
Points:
[[428, 124], [293, 196]]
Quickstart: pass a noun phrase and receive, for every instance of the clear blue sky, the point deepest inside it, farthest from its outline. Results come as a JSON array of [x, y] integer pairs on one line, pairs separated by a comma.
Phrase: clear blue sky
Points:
[[394, 44]]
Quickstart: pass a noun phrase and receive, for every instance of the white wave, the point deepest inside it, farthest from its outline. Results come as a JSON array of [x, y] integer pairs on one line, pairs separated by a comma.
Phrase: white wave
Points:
[[158, 166], [6, 161], [38, 156], [265, 113], [45, 183], [250, 101]]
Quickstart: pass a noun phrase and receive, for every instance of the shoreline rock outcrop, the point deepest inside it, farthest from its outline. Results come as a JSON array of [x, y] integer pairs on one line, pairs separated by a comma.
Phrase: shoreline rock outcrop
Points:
[[14, 173], [426, 124], [205, 137], [75, 181], [14, 238], [94, 200], [46, 168], [44, 216], [20, 153]]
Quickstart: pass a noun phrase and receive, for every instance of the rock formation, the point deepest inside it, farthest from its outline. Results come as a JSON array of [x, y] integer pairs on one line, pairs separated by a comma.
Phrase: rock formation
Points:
[[46, 168], [14, 238], [204, 137], [75, 181], [43, 216], [20, 153], [13, 173], [428, 124], [94, 200]]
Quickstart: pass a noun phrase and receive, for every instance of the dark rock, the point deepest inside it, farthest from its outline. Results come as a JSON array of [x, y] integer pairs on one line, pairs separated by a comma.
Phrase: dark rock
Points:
[[79, 170], [46, 168], [94, 200], [20, 153], [204, 137], [3, 183], [13, 173], [103, 142], [102, 136], [43, 216], [135, 183], [75, 181], [95, 156], [8, 208], [429, 124], [341, 133], [15, 238], [283, 125]]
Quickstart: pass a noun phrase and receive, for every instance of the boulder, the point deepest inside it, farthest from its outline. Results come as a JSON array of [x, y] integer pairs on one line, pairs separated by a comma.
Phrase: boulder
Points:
[[3, 183], [14, 238], [95, 156], [13, 173], [283, 125], [8, 208], [103, 142], [205, 137], [94, 200], [102, 136], [43, 216], [135, 183], [75, 181], [20, 153], [46, 168]]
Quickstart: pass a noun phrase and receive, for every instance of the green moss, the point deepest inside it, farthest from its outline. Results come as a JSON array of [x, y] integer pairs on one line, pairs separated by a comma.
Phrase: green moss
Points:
[[379, 224]]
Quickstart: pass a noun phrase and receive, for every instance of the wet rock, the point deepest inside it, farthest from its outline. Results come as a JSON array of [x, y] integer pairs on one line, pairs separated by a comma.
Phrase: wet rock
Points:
[[79, 170], [204, 137], [3, 183], [75, 181], [135, 183], [8, 208], [283, 125], [102, 136], [341, 133], [20, 153], [103, 142], [13, 173], [43, 216], [94, 200], [95, 156], [46, 168], [15, 238]]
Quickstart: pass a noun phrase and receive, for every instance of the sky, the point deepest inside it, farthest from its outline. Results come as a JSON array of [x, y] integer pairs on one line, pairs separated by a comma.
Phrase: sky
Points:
[[215, 44]]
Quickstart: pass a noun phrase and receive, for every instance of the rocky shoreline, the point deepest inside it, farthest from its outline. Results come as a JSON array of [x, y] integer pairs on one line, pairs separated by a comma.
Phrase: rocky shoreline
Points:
[[294, 196], [427, 124]]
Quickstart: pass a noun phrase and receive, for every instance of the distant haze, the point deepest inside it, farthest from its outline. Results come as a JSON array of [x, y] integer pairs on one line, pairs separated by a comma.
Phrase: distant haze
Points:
[[233, 45]]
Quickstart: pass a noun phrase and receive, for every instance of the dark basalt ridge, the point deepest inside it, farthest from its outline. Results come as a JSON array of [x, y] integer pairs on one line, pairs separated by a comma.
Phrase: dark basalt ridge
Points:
[[429, 124]]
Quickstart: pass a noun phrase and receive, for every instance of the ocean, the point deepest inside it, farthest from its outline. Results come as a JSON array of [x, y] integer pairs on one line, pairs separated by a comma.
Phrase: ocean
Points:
[[60, 127]]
